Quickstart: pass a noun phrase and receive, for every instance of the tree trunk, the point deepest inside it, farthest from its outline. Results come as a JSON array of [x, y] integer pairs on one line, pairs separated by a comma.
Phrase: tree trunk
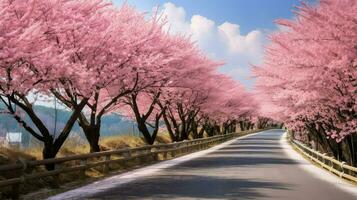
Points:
[[251, 126], [217, 129], [194, 129], [93, 135], [51, 145], [241, 124], [281, 125], [142, 128], [346, 153], [48, 152], [353, 143], [224, 128], [320, 138], [169, 128], [209, 130], [183, 133], [234, 130]]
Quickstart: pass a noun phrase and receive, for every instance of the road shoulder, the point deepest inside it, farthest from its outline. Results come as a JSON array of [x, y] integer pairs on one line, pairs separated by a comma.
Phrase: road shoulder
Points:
[[314, 170]]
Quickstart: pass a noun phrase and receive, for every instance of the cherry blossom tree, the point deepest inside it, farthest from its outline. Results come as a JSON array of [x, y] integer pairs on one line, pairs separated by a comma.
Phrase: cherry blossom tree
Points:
[[30, 63], [234, 105], [177, 56], [188, 91], [206, 102], [308, 79], [122, 50]]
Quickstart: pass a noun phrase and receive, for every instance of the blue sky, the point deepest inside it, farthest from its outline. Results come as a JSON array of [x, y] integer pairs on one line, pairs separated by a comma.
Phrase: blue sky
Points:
[[250, 14], [234, 31]]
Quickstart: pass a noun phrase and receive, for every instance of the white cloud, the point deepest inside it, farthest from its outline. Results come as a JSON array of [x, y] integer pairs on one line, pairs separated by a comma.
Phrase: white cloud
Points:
[[176, 17], [201, 27], [249, 44], [222, 42]]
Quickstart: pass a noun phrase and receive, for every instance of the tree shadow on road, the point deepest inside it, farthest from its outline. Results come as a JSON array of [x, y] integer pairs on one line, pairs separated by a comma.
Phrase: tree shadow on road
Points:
[[242, 152], [255, 143], [250, 147], [218, 161], [189, 186], [260, 139]]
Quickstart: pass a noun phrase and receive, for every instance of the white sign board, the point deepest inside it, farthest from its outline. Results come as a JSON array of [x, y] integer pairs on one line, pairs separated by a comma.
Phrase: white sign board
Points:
[[13, 137]]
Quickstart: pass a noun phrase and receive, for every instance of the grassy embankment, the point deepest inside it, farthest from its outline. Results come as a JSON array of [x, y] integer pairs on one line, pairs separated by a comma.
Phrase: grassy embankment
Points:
[[69, 180], [71, 147]]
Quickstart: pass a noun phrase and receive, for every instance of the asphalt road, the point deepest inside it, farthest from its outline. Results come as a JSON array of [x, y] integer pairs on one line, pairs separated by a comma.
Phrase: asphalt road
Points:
[[254, 167]]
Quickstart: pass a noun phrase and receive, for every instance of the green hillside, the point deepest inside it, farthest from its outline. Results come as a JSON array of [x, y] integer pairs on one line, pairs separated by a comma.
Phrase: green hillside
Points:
[[112, 124]]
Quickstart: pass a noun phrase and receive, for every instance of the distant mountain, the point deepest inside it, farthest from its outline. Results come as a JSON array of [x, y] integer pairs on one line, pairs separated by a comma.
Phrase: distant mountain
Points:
[[112, 124]]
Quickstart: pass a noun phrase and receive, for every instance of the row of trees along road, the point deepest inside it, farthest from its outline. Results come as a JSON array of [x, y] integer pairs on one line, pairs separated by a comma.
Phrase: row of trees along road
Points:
[[96, 58], [309, 77]]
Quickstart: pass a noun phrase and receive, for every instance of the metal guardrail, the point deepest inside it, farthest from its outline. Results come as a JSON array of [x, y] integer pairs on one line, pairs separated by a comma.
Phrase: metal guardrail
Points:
[[339, 168], [29, 170]]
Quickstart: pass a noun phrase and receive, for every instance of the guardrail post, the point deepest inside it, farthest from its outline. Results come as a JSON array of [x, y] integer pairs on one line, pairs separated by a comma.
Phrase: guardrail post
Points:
[[323, 158], [15, 188], [173, 150], [56, 178], [83, 162], [331, 165], [342, 169], [106, 165], [147, 152], [127, 156], [181, 148], [165, 153], [155, 155]]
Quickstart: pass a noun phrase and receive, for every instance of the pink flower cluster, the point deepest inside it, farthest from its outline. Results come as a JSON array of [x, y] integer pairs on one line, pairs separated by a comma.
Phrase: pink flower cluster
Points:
[[309, 77]]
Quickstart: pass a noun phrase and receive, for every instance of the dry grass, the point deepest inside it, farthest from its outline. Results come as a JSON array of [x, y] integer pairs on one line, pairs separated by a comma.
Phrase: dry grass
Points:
[[118, 142], [10, 156], [74, 147]]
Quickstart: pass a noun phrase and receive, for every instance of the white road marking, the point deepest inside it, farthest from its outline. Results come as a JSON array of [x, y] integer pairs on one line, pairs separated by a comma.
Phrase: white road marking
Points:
[[127, 177], [316, 171]]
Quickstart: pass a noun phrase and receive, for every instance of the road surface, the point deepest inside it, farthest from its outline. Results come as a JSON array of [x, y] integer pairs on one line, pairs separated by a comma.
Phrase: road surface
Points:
[[254, 167]]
